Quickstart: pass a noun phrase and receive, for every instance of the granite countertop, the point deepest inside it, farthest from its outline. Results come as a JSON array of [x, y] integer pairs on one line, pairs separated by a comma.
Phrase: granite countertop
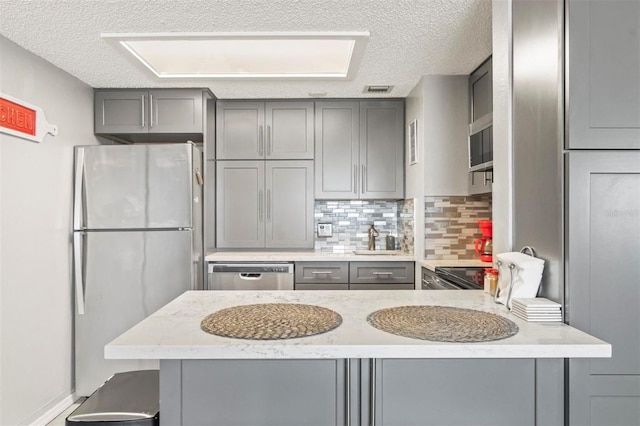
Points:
[[304, 256], [316, 256], [173, 332]]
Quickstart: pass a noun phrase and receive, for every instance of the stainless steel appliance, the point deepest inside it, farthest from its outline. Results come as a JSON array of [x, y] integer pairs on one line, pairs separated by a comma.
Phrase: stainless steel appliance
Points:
[[250, 276], [454, 278], [137, 244], [131, 398]]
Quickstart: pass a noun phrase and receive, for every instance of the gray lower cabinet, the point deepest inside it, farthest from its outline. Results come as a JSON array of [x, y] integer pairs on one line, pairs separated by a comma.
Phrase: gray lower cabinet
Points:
[[253, 392], [354, 275], [456, 392], [603, 292], [359, 150], [130, 112], [264, 204], [264, 130], [420, 392], [604, 74], [321, 276], [381, 276]]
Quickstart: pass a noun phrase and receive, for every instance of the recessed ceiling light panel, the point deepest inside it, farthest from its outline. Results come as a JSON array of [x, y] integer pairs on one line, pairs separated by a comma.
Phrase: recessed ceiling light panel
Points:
[[246, 55]]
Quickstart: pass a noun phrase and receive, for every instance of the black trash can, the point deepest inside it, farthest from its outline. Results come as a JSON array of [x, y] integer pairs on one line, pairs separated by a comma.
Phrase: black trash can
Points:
[[131, 398]]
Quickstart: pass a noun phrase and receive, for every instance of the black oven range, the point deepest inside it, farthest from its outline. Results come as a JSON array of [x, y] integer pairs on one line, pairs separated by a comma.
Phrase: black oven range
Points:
[[453, 278]]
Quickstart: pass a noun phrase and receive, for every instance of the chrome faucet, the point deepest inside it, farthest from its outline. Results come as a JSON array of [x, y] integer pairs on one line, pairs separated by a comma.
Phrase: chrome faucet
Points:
[[373, 233]]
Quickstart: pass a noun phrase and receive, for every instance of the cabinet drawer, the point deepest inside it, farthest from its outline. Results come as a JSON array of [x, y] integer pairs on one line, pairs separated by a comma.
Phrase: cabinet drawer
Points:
[[328, 286], [381, 272], [396, 286], [322, 272]]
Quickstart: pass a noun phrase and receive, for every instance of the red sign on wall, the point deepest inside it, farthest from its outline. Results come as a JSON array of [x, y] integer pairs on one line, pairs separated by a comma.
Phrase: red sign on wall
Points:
[[17, 117]]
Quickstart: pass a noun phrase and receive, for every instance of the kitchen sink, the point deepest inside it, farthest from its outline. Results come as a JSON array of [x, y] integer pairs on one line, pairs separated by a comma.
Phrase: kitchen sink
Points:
[[376, 252]]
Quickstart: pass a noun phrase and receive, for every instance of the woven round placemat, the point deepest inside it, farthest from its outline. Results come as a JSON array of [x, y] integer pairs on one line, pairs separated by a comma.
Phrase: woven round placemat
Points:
[[442, 323], [267, 321]]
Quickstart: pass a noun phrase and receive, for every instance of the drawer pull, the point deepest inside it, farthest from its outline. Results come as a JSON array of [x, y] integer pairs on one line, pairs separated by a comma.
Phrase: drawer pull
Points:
[[382, 273], [321, 272]]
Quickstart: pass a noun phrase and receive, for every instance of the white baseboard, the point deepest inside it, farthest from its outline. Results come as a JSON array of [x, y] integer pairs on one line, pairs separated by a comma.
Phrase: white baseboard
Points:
[[54, 411]]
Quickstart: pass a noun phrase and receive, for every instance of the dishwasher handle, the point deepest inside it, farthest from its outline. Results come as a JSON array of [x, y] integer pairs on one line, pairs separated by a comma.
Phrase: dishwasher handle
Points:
[[249, 276], [251, 268]]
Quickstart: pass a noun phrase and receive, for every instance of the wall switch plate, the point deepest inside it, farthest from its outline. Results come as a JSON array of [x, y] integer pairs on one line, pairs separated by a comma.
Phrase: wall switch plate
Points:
[[325, 230]]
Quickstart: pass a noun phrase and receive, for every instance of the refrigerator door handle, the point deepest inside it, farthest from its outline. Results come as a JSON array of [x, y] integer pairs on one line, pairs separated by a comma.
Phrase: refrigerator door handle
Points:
[[78, 261], [79, 183]]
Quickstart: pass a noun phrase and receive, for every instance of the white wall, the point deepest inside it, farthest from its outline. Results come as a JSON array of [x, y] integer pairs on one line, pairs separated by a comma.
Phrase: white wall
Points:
[[414, 175], [446, 131], [36, 309], [502, 127], [440, 104]]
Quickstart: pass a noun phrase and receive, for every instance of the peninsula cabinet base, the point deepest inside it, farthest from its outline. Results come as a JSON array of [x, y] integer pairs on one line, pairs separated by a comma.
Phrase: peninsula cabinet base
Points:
[[326, 392]]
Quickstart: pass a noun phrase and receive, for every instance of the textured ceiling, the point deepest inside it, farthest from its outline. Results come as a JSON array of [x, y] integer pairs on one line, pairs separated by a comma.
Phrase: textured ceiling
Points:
[[409, 38]]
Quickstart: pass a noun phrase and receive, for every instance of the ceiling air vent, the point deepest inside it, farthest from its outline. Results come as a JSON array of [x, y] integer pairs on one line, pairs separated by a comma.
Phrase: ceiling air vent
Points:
[[377, 90]]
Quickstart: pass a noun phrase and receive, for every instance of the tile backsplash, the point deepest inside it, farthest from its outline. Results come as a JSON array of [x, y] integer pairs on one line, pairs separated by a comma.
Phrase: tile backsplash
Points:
[[405, 225], [451, 225], [351, 221]]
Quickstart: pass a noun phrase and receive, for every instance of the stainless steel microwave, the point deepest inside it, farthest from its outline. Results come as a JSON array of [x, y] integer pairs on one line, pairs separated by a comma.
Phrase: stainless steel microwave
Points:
[[481, 150]]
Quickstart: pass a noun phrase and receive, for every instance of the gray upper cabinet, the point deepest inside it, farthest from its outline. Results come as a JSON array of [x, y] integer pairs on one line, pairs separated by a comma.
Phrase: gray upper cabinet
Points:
[[264, 130], [382, 150], [604, 76], [240, 130], [481, 96], [337, 150], [289, 131], [264, 204], [121, 112], [480, 182], [359, 150], [130, 112]]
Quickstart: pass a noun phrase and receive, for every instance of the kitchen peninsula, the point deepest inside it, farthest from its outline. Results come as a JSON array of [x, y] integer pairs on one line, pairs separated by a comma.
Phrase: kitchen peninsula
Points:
[[353, 374]]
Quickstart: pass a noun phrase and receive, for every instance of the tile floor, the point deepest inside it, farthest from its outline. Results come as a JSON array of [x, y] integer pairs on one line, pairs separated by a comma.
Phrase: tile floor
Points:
[[59, 421]]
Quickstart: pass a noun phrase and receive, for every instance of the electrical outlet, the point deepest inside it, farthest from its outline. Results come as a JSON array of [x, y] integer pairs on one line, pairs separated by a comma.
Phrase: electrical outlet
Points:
[[325, 230]]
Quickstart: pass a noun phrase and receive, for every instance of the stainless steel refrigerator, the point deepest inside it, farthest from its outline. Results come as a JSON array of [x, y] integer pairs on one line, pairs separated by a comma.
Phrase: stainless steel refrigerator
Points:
[[137, 220]]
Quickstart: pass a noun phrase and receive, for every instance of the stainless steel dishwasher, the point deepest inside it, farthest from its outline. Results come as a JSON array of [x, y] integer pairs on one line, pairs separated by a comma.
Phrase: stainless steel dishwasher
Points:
[[250, 276]]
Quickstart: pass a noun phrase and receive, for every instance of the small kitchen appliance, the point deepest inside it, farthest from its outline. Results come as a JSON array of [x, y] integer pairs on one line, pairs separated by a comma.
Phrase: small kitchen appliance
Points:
[[484, 245]]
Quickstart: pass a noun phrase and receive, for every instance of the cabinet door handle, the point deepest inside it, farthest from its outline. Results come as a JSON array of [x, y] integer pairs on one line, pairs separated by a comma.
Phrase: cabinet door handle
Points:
[[150, 110], [268, 140], [382, 273], [364, 171], [142, 110], [268, 204], [372, 393], [347, 372], [321, 272], [78, 201], [355, 179], [260, 140], [260, 205], [78, 262]]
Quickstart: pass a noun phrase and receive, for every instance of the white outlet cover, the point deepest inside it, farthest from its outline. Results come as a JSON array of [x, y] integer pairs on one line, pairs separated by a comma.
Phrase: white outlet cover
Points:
[[325, 230]]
